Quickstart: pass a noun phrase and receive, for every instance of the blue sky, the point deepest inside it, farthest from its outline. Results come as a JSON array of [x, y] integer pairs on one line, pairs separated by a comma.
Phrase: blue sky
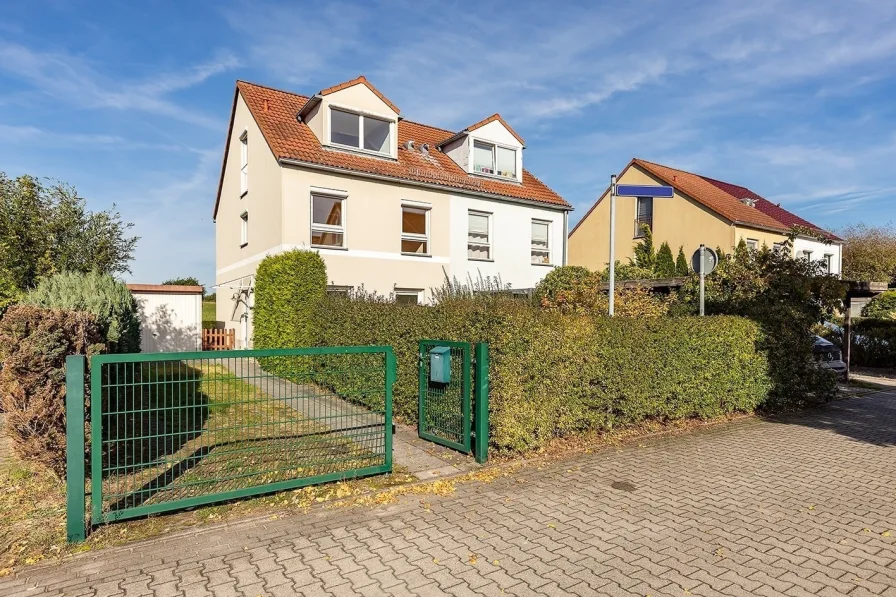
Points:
[[129, 101]]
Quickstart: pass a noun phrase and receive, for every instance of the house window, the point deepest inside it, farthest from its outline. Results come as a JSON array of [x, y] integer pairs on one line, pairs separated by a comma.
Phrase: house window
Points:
[[752, 244], [244, 163], [327, 221], [828, 259], [414, 230], [360, 132], [644, 216], [779, 248], [807, 255], [407, 296], [492, 159], [541, 248], [478, 236], [339, 291], [244, 229]]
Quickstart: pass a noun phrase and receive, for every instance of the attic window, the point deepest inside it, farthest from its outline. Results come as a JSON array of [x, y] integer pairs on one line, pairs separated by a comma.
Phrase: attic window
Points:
[[360, 131], [493, 159]]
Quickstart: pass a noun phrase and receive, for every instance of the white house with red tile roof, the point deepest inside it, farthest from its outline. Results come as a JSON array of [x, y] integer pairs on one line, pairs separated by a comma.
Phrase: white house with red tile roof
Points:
[[392, 205], [702, 210]]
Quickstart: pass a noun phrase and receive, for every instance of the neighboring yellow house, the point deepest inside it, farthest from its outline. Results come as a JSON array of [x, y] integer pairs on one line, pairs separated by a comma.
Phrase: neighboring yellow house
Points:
[[702, 211]]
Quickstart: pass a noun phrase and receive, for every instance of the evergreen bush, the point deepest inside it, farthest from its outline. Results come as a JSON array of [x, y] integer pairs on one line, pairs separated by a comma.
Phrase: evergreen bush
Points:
[[883, 306], [682, 269], [288, 288], [665, 264], [33, 345], [115, 308]]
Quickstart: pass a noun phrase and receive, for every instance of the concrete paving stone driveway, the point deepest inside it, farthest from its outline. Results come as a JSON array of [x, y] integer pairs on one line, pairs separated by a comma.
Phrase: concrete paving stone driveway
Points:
[[800, 506]]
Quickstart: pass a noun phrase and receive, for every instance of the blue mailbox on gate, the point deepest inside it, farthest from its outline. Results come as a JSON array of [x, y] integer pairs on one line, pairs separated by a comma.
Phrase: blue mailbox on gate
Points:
[[440, 364]]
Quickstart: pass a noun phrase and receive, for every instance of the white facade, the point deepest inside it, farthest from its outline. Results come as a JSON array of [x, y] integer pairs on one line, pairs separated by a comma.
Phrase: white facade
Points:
[[832, 253], [510, 241], [169, 321]]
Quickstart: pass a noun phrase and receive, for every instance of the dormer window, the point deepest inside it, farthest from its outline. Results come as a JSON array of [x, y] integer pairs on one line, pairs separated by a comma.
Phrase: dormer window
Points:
[[495, 160], [360, 131]]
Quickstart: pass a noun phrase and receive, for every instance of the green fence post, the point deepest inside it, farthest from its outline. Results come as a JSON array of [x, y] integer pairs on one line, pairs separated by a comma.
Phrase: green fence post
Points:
[[481, 403], [391, 375], [74, 448]]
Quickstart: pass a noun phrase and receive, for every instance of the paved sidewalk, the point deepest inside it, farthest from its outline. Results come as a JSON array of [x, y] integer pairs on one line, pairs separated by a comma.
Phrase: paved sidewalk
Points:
[[795, 507]]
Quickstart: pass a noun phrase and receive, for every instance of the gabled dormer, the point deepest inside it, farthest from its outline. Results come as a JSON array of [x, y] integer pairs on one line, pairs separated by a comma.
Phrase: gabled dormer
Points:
[[355, 117], [489, 148]]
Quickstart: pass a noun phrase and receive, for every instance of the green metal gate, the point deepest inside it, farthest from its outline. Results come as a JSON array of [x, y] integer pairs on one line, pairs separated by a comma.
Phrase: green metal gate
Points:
[[453, 395], [170, 431]]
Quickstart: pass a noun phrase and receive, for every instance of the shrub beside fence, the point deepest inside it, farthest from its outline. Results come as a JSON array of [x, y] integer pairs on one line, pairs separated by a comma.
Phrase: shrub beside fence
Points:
[[874, 343], [553, 375], [34, 343]]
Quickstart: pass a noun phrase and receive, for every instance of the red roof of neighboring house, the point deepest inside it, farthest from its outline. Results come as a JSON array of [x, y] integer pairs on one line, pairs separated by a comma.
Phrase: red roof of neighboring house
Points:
[[724, 199], [275, 112], [767, 207], [164, 289]]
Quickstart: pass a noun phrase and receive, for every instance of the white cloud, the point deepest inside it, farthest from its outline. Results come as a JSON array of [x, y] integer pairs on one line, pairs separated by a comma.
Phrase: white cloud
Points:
[[72, 80]]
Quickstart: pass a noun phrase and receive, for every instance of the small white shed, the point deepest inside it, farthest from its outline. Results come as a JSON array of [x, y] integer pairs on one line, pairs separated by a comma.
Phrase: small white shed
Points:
[[170, 317]]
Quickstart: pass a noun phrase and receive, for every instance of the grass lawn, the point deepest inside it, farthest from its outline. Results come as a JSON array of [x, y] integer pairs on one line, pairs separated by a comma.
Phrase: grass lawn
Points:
[[228, 434], [208, 314]]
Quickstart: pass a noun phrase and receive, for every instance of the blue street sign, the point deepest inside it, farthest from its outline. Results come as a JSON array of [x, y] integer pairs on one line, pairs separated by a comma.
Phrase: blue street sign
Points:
[[643, 190]]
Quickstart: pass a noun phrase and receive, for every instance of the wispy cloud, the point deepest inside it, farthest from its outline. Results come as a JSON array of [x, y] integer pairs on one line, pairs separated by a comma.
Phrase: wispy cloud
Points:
[[38, 137], [71, 79]]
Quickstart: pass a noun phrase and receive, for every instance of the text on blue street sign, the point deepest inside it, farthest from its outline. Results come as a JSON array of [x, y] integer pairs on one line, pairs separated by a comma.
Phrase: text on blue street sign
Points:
[[643, 190]]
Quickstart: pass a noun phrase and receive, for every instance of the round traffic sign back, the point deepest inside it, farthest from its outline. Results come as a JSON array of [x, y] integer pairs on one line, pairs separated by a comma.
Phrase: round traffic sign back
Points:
[[710, 260]]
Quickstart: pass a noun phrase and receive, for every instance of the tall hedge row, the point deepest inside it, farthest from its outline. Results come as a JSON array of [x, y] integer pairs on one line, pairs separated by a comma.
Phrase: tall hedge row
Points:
[[288, 289], [552, 374]]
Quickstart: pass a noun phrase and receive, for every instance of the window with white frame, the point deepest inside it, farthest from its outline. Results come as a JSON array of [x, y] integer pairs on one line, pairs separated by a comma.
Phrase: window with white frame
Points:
[[807, 255], [479, 236], [489, 158], [828, 262], [752, 244], [407, 296], [780, 248], [244, 163], [244, 229], [327, 221], [360, 131], [415, 230], [541, 248]]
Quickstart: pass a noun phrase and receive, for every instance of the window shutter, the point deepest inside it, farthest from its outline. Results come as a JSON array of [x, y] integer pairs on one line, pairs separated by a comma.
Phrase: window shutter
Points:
[[478, 224], [539, 233]]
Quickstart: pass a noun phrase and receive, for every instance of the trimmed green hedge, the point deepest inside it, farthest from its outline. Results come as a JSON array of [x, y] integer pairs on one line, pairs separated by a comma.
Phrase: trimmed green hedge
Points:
[[552, 375], [288, 289]]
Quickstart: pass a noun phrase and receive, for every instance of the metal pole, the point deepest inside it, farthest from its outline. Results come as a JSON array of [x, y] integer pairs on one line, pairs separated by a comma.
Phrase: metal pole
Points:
[[75, 501], [480, 415], [612, 243], [847, 338], [702, 279]]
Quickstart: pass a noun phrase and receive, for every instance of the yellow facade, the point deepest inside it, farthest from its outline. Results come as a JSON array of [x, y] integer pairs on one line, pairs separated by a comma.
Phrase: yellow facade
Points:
[[680, 221]]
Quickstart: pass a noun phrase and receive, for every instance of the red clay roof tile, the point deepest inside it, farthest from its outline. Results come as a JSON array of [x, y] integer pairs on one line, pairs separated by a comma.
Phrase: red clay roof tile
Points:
[[275, 112]]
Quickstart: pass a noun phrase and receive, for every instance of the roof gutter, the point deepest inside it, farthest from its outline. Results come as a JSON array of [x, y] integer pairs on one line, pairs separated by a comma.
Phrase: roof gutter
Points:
[[424, 185]]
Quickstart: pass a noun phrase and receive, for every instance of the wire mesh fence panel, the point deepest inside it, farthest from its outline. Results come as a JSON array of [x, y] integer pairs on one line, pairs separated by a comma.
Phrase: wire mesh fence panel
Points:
[[172, 431], [444, 403]]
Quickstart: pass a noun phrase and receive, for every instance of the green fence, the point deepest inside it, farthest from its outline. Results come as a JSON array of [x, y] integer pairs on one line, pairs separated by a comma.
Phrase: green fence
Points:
[[170, 431]]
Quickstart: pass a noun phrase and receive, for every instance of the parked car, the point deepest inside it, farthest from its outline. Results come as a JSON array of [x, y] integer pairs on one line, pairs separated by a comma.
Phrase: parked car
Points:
[[828, 356]]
